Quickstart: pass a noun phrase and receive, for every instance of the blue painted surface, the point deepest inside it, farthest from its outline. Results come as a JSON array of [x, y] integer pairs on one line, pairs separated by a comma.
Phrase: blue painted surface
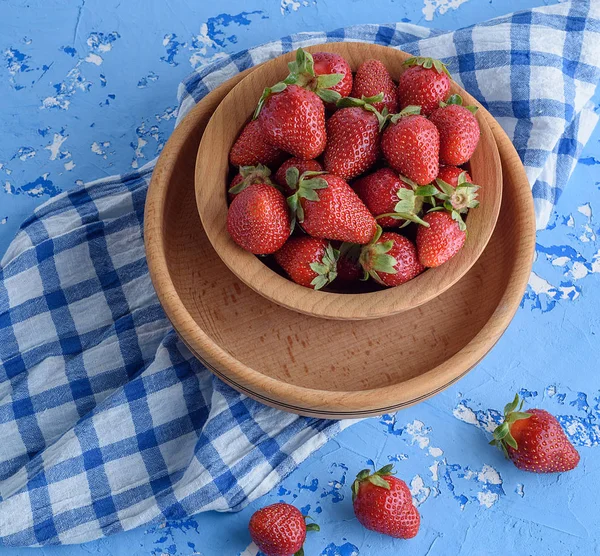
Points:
[[88, 90]]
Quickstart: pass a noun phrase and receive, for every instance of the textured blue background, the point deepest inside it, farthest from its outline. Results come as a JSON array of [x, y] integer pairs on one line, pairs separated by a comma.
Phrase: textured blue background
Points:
[[88, 90]]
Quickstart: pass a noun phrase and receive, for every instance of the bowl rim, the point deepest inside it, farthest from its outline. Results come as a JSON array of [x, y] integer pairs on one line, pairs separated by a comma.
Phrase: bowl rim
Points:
[[326, 304], [267, 389]]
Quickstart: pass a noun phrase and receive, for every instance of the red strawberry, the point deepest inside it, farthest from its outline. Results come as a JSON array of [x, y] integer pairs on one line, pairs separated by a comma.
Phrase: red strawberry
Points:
[[459, 131], [348, 267], [534, 440], [450, 175], [293, 120], [383, 503], [391, 259], [328, 208], [373, 78], [424, 84], [353, 136], [440, 241], [302, 165], [258, 219], [279, 529], [251, 148], [246, 176], [308, 261], [411, 145], [385, 192], [327, 63]]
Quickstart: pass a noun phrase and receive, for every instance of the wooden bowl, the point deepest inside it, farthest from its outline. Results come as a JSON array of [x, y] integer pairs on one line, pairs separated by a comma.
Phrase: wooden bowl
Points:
[[311, 366], [212, 169]]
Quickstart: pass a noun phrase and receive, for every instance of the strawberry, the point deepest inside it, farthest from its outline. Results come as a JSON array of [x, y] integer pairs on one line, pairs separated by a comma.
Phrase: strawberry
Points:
[[383, 503], [348, 267], [258, 219], [440, 241], [459, 130], [293, 119], [246, 176], [279, 530], [391, 198], [373, 78], [327, 207], [457, 199], [534, 440], [390, 259], [302, 165], [308, 261], [425, 83], [450, 175], [411, 145], [353, 135], [251, 148], [327, 63]]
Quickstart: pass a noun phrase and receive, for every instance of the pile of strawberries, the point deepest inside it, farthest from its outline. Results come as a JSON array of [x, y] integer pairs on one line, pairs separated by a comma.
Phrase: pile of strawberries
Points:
[[533, 440], [368, 158]]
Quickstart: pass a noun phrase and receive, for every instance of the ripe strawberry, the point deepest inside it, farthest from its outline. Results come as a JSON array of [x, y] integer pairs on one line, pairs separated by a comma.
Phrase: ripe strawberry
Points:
[[328, 208], [440, 241], [258, 219], [279, 530], [391, 259], [459, 131], [534, 440], [293, 119], [425, 83], [383, 503], [246, 176], [348, 267], [327, 63], [450, 175], [353, 136], [308, 261], [251, 148], [386, 193], [411, 145], [373, 78], [302, 165]]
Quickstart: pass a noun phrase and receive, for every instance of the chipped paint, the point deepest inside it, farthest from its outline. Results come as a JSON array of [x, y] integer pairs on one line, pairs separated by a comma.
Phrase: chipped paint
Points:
[[431, 7]]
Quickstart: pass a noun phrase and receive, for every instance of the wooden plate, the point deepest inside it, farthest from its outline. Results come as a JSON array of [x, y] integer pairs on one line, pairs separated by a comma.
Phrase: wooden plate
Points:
[[312, 366], [212, 170]]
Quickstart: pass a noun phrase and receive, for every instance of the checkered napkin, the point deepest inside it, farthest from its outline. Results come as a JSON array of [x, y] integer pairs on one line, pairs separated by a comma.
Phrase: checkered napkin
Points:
[[106, 420]]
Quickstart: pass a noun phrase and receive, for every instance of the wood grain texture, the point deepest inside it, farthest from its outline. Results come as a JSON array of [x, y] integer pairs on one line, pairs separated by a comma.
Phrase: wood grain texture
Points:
[[212, 170], [312, 366]]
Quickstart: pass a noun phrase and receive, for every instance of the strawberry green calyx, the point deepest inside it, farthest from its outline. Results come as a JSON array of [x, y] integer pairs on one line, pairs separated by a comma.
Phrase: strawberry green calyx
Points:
[[250, 175], [374, 258], [302, 73], [268, 91], [502, 436], [457, 99], [327, 269], [304, 187], [367, 104], [458, 200], [428, 63], [410, 203], [375, 478], [408, 111]]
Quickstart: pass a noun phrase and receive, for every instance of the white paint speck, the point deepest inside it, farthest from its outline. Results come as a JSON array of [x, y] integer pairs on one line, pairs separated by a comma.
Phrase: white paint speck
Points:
[[250, 550], [8, 188], [489, 475], [94, 59], [578, 271], [587, 235], [288, 6], [54, 102], [571, 221], [434, 470], [100, 148], [465, 414], [586, 210], [520, 489], [560, 261], [417, 431], [4, 220], [441, 6], [487, 499], [419, 491], [435, 452], [69, 165], [54, 147], [141, 143], [551, 391], [539, 285]]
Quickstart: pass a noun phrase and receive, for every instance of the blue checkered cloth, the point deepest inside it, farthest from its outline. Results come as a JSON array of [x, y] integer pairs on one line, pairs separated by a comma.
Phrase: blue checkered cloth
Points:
[[106, 420]]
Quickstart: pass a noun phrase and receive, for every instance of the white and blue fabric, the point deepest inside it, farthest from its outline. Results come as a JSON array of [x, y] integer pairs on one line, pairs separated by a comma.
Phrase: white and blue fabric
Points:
[[106, 420]]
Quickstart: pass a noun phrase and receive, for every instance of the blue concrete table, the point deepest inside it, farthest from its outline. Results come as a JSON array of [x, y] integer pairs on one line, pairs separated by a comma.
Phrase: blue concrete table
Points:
[[88, 90]]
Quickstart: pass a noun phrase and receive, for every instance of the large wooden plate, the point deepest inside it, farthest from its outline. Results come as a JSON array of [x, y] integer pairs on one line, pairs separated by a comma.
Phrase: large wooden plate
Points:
[[318, 367], [212, 168]]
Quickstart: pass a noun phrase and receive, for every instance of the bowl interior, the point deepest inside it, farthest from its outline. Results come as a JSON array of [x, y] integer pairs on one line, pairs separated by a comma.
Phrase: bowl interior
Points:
[[211, 176]]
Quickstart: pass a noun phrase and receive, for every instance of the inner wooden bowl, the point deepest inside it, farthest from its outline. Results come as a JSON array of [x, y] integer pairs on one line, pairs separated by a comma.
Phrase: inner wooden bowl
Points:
[[211, 181]]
